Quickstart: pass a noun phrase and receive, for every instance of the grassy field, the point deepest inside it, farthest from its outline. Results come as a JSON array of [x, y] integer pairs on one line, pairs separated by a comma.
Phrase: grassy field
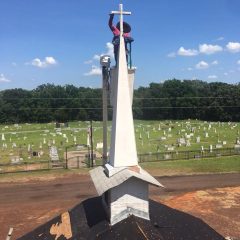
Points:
[[163, 168], [151, 136], [210, 165]]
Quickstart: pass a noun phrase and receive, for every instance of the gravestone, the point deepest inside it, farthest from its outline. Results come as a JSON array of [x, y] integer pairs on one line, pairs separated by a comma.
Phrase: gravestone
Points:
[[181, 141], [218, 146], [171, 148], [15, 160], [99, 145], [3, 137], [54, 153], [188, 144], [210, 148], [14, 145]]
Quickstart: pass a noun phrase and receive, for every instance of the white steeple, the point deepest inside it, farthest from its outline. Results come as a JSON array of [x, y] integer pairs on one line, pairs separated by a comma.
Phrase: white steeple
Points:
[[122, 183], [123, 151]]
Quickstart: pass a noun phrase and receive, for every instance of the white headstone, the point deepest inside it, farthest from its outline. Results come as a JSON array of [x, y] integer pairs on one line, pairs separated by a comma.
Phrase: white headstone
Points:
[[3, 137], [99, 145], [210, 148], [188, 144]]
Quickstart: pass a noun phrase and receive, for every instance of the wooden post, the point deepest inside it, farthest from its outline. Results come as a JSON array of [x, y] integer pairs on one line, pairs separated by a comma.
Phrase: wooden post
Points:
[[66, 158]]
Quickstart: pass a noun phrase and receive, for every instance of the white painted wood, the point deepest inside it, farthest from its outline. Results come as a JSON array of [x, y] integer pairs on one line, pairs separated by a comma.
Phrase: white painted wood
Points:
[[113, 83], [123, 146], [124, 13], [129, 198]]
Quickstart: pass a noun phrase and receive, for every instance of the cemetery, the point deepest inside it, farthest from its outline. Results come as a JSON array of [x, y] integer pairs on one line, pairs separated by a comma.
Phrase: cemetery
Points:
[[114, 176], [155, 141]]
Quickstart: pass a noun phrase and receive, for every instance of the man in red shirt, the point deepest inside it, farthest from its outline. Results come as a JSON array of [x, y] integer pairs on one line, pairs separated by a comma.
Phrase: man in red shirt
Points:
[[116, 32]]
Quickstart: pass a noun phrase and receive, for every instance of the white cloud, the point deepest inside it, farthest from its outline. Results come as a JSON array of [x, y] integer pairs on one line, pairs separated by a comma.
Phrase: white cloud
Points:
[[3, 78], [238, 62], [189, 69], [109, 51], [187, 52], [97, 57], [233, 47], [215, 62], [212, 77], [225, 74], [202, 65], [209, 49], [95, 71], [47, 62], [171, 55], [50, 61]]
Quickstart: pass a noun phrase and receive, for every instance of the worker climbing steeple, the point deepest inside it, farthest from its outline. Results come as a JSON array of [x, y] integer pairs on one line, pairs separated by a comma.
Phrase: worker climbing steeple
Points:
[[126, 33]]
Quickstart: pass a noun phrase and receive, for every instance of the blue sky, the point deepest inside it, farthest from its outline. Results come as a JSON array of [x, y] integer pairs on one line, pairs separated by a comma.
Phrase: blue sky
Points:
[[59, 41]]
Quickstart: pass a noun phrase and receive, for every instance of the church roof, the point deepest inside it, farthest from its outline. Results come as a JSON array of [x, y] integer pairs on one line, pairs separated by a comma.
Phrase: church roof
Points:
[[103, 183]]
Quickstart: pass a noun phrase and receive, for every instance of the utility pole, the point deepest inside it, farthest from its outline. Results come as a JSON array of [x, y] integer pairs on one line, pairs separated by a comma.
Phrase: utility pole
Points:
[[105, 63], [91, 136]]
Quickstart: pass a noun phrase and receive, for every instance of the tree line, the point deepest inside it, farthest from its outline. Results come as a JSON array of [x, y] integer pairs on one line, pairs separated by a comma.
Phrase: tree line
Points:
[[172, 99]]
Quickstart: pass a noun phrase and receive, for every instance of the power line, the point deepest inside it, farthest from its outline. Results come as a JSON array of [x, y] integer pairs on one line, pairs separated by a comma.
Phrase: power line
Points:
[[99, 108], [135, 98]]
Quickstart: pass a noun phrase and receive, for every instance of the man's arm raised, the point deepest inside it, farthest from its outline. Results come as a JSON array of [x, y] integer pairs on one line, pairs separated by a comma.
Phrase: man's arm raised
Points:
[[110, 22]]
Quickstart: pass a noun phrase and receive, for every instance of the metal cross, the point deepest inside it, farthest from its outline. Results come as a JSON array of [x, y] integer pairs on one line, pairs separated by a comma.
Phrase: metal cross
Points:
[[121, 13]]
